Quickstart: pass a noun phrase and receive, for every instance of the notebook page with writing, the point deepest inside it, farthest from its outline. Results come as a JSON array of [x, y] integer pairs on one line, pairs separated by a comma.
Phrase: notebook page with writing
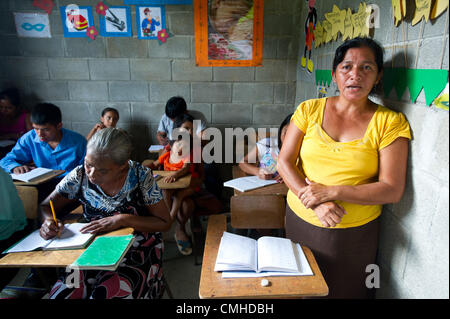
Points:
[[31, 242], [70, 237], [236, 253], [276, 254]]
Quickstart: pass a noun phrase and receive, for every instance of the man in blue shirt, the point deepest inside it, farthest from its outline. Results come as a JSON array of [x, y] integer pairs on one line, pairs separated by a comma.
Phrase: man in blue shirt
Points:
[[48, 145]]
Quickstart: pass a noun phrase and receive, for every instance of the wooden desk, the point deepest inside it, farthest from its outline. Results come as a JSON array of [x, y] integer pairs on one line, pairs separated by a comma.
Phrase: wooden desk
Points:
[[212, 285], [52, 258], [182, 182], [40, 180], [274, 189]]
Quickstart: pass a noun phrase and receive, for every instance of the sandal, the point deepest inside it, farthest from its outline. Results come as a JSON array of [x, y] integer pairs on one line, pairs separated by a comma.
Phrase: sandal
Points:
[[184, 246]]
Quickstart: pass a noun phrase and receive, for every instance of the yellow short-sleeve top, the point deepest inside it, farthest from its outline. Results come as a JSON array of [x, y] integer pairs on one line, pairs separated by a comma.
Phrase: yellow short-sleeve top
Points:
[[328, 162]]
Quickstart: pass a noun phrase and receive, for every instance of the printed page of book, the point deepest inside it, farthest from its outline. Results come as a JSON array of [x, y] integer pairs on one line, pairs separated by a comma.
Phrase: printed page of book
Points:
[[236, 253], [276, 254], [34, 173]]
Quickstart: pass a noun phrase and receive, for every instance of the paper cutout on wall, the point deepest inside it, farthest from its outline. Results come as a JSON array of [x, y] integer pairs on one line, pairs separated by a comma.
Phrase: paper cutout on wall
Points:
[[327, 31], [423, 8], [441, 101], [101, 8], [439, 7], [32, 25], [348, 26], [432, 81], [310, 25], [323, 77], [398, 11], [318, 35], [359, 21], [336, 18], [46, 5]]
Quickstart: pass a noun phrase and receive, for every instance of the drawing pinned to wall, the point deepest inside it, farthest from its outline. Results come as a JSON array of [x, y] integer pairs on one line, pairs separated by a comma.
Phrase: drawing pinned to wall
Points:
[[398, 11], [442, 100], [32, 25], [116, 22], [76, 20], [318, 35], [336, 18], [423, 9], [348, 26], [46, 5], [150, 20], [310, 25], [439, 7]]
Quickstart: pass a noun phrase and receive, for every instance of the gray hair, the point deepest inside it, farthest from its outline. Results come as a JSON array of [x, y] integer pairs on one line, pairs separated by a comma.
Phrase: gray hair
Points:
[[112, 143]]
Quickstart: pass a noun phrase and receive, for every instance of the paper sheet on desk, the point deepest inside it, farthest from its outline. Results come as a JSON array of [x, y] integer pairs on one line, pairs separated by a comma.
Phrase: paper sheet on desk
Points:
[[306, 270]]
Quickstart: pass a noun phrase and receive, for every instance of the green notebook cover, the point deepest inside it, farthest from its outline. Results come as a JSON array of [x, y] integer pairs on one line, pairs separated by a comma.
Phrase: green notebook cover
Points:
[[104, 253]]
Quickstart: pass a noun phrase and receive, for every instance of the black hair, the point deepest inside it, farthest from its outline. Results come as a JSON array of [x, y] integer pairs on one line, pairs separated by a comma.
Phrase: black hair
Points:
[[175, 106], [110, 109], [13, 95], [285, 122], [46, 113], [358, 43], [182, 118]]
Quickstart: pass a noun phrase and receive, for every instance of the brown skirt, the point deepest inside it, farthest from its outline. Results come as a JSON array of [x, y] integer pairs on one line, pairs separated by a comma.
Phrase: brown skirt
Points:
[[342, 254]]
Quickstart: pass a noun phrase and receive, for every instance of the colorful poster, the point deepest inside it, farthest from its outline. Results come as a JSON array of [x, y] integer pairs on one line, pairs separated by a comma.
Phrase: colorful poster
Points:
[[149, 21], [116, 22], [32, 25], [76, 20]]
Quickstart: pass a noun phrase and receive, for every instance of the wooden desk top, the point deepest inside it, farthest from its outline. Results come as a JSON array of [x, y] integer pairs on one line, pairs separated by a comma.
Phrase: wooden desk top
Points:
[[182, 182], [212, 285], [51, 258], [274, 189], [41, 179]]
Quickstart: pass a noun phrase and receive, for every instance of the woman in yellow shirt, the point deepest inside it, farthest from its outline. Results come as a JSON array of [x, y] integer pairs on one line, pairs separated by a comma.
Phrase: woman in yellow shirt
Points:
[[344, 158]]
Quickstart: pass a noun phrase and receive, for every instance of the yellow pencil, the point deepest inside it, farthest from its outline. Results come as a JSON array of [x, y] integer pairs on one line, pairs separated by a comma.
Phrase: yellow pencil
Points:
[[54, 216]]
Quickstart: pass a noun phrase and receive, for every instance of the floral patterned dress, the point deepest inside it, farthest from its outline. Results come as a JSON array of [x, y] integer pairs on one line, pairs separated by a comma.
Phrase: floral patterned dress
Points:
[[139, 276]]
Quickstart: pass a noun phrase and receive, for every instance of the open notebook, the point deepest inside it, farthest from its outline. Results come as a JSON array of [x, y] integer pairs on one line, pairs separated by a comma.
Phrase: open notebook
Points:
[[240, 256], [32, 175], [70, 238], [248, 183]]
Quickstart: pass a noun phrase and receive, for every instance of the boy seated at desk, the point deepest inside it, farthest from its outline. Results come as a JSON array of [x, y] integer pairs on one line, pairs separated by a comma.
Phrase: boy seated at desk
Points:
[[47, 145], [180, 161]]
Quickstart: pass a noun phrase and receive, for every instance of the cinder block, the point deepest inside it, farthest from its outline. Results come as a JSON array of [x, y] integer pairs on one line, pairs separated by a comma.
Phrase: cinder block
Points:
[[211, 93], [162, 91], [150, 69], [76, 112], [24, 68], [50, 90], [233, 74], [278, 24], [186, 70], [181, 23], [68, 69], [270, 114], [7, 23], [232, 113], [203, 108], [272, 70], [177, 47], [88, 90], [126, 48], [279, 93], [44, 47], [123, 108], [147, 112], [128, 91], [10, 46], [83, 48], [270, 45], [253, 93], [109, 69]]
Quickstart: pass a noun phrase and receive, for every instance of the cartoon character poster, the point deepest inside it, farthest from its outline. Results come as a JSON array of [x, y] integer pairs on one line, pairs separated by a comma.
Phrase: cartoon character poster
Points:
[[76, 20], [116, 22], [310, 25], [149, 20]]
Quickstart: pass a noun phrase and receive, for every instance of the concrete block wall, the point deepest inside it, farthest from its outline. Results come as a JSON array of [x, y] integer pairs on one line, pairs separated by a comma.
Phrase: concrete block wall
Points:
[[138, 76], [414, 240]]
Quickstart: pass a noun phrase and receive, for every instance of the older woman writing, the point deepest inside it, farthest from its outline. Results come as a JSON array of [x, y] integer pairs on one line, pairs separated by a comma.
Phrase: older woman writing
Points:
[[115, 192], [343, 158]]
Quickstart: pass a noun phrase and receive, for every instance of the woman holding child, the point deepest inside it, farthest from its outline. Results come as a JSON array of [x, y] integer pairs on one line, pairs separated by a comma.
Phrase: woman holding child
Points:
[[344, 157], [115, 192]]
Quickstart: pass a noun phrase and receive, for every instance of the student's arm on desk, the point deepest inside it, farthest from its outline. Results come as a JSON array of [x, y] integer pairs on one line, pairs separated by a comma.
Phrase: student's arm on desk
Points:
[[162, 138], [177, 174], [17, 158], [158, 221]]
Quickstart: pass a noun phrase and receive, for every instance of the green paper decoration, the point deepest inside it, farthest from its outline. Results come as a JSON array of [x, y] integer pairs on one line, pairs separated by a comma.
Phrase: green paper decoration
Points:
[[432, 81]]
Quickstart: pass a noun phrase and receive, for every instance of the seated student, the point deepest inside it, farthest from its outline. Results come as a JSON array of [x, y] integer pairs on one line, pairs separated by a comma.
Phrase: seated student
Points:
[[109, 118], [266, 154], [181, 164], [12, 222], [48, 145], [115, 192], [176, 106], [14, 121]]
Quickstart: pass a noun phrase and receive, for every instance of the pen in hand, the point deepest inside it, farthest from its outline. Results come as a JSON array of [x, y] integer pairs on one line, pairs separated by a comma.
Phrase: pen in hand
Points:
[[54, 216]]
